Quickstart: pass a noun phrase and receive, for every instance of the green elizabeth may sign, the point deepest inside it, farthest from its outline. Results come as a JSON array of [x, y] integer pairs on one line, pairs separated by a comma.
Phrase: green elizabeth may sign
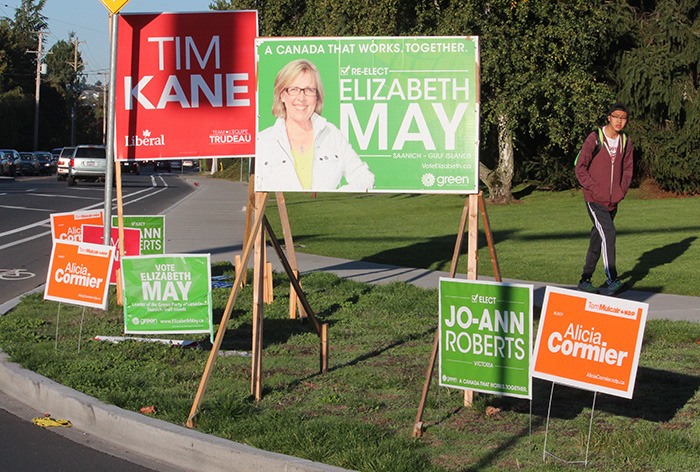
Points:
[[408, 106], [486, 336], [167, 294]]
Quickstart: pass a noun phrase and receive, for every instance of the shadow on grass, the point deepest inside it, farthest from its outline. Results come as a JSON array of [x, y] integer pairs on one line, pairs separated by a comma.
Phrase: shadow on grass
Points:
[[658, 395], [655, 258]]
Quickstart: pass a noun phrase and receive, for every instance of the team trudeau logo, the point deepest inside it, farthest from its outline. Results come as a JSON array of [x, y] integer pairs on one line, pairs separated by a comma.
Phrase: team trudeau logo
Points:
[[144, 140]]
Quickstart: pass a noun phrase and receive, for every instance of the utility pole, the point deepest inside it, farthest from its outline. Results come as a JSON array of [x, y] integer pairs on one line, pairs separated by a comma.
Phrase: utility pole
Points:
[[105, 90], [39, 51], [75, 65]]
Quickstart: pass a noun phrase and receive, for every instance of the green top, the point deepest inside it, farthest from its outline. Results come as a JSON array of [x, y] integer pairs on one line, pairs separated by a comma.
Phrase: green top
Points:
[[303, 163]]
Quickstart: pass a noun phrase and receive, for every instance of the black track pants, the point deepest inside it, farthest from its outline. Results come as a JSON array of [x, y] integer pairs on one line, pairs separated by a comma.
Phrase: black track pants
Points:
[[603, 236]]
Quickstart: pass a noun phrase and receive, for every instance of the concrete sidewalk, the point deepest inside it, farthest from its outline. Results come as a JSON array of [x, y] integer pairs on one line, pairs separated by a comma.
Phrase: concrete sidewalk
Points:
[[212, 219]]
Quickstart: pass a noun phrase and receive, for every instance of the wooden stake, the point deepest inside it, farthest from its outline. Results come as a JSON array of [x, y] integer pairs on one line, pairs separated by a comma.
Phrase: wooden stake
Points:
[[258, 303], [213, 354], [238, 267], [489, 238], [293, 297], [268, 292], [300, 294], [120, 226], [291, 253], [324, 347], [470, 214]]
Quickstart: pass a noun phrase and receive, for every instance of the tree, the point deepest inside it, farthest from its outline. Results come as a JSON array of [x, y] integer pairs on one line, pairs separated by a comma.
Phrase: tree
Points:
[[659, 80], [546, 81], [18, 73], [546, 67], [24, 32]]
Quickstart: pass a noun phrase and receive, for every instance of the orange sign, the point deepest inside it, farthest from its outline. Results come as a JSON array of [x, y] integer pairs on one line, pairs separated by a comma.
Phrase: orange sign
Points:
[[69, 226], [114, 5], [79, 273], [589, 341]]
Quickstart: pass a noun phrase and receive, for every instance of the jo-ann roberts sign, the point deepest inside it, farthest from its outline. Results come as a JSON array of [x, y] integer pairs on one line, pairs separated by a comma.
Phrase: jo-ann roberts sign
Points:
[[407, 107], [167, 294], [185, 85], [590, 341], [485, 336]]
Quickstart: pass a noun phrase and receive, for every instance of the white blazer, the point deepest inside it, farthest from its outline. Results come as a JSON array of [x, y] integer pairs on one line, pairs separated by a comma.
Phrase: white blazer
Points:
[[333, 159]]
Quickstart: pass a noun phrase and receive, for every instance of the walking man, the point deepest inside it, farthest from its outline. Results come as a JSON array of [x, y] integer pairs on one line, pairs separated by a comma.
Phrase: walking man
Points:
[[604, 170]]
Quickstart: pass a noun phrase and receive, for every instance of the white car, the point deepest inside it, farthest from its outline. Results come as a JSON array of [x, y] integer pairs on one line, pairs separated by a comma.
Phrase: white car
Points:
[[88, 162], [63, 163]]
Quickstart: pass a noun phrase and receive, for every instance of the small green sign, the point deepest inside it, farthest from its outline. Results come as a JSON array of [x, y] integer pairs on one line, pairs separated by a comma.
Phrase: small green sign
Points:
[[486, 336], [167, 294], [152, 231]]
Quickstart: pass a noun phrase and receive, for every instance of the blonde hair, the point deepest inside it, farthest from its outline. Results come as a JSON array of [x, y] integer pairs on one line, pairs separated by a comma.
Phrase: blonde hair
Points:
[[286, 76]]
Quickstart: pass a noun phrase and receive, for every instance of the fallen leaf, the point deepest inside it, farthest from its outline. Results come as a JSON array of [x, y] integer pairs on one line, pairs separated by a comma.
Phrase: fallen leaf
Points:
[[148, 410]]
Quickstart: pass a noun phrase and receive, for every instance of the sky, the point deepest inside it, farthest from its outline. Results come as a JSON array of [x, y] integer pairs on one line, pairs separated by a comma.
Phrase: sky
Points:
[[89, 19]]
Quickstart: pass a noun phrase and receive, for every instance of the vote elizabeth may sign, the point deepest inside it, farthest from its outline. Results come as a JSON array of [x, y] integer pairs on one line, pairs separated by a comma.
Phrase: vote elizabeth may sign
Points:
[[408, 106], [485, 336], [185, 85], [589, 341], [167, 294]]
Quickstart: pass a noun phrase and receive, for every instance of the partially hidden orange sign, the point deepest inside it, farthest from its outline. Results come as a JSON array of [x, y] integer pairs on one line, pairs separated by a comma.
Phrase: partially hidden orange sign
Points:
[[69, 226], [79, 273], [589, 341]]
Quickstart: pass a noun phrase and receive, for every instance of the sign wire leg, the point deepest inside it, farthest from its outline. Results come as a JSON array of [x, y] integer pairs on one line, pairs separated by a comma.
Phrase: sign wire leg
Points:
[[546, 428], [546, 433], [80, 332], [590, 428], [58, 317]]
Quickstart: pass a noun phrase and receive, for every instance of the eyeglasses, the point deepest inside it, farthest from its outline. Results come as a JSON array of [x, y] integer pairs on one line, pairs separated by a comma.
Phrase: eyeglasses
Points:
[[619, 117], [294, 91]]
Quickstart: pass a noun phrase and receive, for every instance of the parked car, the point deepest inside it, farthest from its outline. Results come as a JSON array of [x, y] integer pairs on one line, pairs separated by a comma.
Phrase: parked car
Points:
[[62, 163], [10, 162], [190, 163], [162, 165], [176, 165], [88, 162], [28, 164], [47, 163], [4, 162], [132, 167]]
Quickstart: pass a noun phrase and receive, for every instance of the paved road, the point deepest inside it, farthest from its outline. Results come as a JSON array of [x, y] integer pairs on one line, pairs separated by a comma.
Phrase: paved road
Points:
[[27, 203], [27, 447]]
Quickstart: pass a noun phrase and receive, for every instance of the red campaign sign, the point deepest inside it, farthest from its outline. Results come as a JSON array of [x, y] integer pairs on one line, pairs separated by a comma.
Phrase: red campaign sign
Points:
[[186, 85], [132, 244]]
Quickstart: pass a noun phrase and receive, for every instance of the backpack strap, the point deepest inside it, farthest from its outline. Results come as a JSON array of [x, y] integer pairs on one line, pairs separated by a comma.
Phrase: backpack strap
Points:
[[599, 144]]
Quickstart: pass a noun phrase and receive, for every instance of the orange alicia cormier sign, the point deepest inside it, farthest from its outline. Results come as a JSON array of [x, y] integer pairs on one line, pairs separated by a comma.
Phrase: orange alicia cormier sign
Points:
[[589, 341], [79, 273], [68, 226]]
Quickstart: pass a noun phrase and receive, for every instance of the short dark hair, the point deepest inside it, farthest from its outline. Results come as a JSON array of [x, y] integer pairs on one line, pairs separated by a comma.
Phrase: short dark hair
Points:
[[617, 106]]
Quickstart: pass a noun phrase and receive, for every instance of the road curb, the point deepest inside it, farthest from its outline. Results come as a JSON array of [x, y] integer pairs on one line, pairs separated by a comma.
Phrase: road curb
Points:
[[156, 439]]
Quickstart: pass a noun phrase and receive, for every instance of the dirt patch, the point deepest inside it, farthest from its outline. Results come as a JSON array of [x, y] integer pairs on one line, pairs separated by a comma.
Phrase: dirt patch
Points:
[[650, 190]]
